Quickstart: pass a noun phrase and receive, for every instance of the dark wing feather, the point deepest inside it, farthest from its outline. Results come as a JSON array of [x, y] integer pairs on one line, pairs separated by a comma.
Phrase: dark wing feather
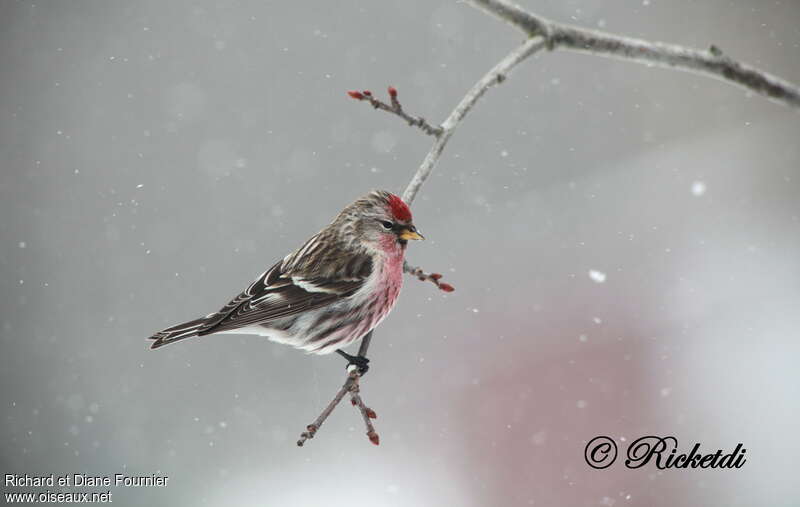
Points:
[[278, 294]]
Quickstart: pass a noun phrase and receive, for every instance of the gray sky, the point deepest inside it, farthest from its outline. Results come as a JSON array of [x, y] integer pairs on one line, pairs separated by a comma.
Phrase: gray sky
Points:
[[156, 156]]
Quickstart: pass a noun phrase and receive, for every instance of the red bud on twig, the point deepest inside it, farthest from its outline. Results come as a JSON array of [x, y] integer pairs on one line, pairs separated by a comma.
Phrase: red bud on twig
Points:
[[393, 92], [374, 438], [356, 95]]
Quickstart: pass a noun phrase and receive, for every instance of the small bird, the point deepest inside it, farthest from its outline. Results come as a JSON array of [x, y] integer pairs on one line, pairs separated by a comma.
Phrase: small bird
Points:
[[330, 292]]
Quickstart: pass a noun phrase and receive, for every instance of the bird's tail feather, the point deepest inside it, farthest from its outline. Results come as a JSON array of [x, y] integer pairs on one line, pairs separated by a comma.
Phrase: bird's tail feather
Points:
[[177, 333]]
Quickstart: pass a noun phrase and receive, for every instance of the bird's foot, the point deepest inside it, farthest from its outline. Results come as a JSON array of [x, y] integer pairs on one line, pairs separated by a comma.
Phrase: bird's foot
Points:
[[360, 362]]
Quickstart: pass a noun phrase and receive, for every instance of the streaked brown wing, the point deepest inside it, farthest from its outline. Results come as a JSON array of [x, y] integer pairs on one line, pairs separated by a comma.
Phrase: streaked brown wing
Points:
[[275, 294]]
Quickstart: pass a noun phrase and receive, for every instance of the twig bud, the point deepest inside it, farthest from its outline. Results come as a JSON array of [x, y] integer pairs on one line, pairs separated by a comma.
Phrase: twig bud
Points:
[[393, 92], [356, 95]]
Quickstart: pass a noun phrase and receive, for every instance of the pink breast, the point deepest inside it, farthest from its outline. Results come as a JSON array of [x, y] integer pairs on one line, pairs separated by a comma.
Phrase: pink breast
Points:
[[390, 282]]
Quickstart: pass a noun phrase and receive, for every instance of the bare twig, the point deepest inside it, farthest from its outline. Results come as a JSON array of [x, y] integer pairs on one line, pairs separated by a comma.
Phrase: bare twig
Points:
[[425, 277], [397, 109], [366, 413], [350, 386], [495, 76], [312, 428], [710, 62]]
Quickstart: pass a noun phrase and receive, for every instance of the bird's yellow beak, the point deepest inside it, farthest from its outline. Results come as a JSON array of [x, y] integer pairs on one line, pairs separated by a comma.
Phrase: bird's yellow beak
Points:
[[410, 232]]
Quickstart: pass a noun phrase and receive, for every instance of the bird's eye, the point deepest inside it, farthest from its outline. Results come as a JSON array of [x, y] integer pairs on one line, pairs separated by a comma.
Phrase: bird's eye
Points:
[[386, 224]]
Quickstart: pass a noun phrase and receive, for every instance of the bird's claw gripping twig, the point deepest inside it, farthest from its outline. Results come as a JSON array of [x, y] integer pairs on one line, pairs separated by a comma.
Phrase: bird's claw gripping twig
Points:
[[360, 362]]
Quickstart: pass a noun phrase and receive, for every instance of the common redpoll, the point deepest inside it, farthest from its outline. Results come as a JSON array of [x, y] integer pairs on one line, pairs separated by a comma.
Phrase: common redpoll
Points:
[[328, 293]]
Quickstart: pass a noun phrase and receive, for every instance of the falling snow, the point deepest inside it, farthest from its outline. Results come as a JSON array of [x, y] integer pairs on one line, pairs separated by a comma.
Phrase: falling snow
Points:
[[698, 188], [597, 276]]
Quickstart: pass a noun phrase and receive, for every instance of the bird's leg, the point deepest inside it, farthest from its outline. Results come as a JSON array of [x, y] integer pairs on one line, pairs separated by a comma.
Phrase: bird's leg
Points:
[[360, 362]]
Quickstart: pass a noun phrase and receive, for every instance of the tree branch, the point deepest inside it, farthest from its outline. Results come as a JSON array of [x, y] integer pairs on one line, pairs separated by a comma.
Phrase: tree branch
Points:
[[542, 34], [427, 277], [711, 62], [495, 76], [396, 109], [350, 386]]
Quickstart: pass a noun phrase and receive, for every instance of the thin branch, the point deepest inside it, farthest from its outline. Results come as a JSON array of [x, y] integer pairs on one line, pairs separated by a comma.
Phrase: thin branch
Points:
[[711, 62], [350, 386], [427, 277], [366, 413], [397, 109], [312, 428], [495, 76]]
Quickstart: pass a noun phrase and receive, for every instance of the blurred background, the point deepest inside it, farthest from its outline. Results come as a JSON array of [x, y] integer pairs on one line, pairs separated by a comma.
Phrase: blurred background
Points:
[[623, 240]]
